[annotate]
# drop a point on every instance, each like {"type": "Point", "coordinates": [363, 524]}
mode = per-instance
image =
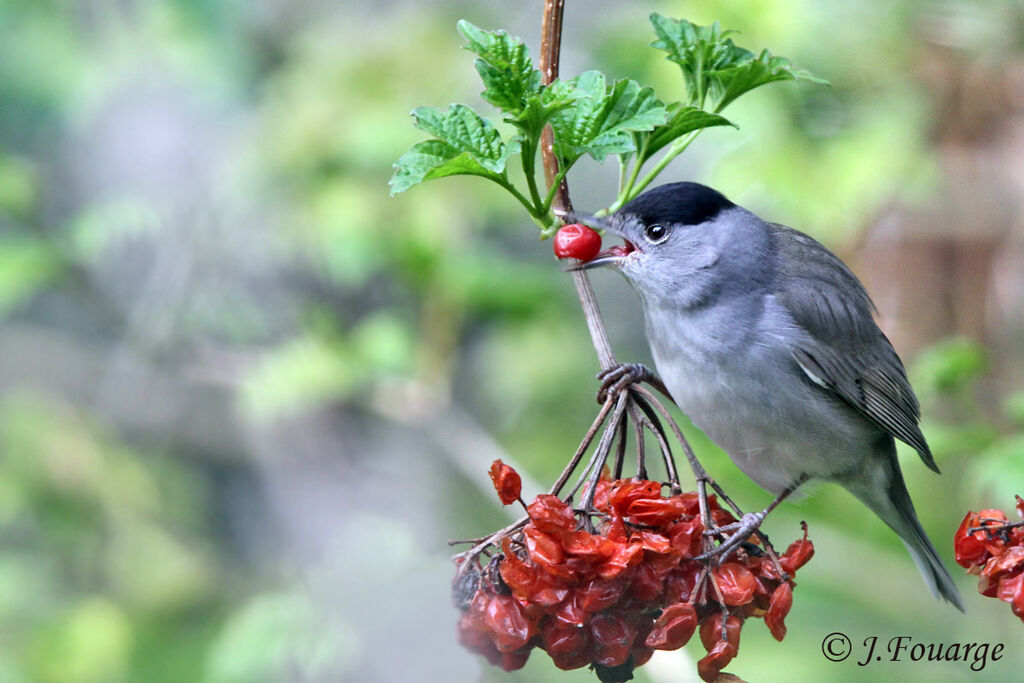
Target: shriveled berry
{"type": "Point", "coordinates": [576, 241]}
{"type": "Point", "coordinates": [736, 583]}
{"type": "Point", "coordinates": [608, 592]}
{"type": "Point", "coordinates": [506, 620]}
{"type": "Point", "coordinates": [797, 554]}
{"type": "Point", "coordinates": [506, 481]}
{"type": "Point", "coordinates": [560, 638]}
{"type": "Point", "coordinates": [711, 631]}
{"type": "Point", "coordinates": [782, 600]}
{"type": "Point", "coordinates": [717, 659]}
{"type": "Point", "coordinates": [674, 627]}
{"type": "Point", "coordinates": [551, 513]}
{"type": "Point", "coordinates": [612, 636]}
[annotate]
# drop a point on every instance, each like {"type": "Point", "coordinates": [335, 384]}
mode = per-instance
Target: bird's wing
{"type": "Point", "coordinates": [847, 354]}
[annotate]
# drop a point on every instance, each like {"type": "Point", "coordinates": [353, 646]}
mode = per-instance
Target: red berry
{"type": "Point", "coordinates": [551, 514]}
{"type": "Point", "coordinates": [609, 594]}
{"type": "Point", "coordinates": [782, 600]}
{"type": "Point", "coordinates": [797, 554]}
{"type": "Point", "coordinates": [736, 583]}
{"type": "Point", "coordinates": [674, 627]}
{"type": "Point", "coordinates": [711, 630]}
{"type": "Point", "coordinates": [506, 482]}
{"type": "Point", "coordinates": [576, 241]}
{"type": "Point", "coordinates": [717, 659]}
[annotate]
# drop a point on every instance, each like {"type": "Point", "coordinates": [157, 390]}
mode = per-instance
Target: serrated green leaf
{"type": "Point", "coordinates": [504, 67]}
{"type": "Point", "coordinates": [715, 69]}
{"type": "Point", "coordinates": [601, 121]}
{"type": "Point", "coordinates": [466, 144]}
{"type": "Point", "coordinates": [539, 108]}
{"type": "Point", "coordinates": [466, 131]}
{"type": "Point", "coordinates": [433, 159]}
{"type": "Point", "coordinates": [727, 84]}
{"type": "Point", "coordinates": [697, 50]}
{"type": "Point", "coordinates": [684, 119]}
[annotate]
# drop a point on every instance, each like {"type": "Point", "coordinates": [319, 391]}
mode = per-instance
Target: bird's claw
{"type": "Point", "coordinates": [740, 532]}
{"type": "Point", "coordinates": [617, 378]}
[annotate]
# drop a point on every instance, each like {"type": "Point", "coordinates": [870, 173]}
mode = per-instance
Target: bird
{"type": "Point", "coordinates": [767, 341]}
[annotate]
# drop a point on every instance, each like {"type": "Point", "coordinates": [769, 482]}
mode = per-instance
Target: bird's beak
{"type": "Point", "coordinates": [609, 257]}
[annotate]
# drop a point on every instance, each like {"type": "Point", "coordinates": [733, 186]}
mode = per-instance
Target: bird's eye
{"type": "Point", "coordinates": [655, 233]}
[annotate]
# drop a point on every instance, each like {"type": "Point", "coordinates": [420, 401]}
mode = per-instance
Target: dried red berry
{"type": "Point", "coordinates": [1010, 588]}
{"type": "Point", "coordinates": [717, 659]}
{"type": "Point", "coordinates": [552, 514]}
{"type": "Point", "coordinates": [797, 554]}
{"type": "Point", "coordinates": [782, 600]}
{"type": "Point", "coordinates": [505, 618]}
{"type": "Point", "coordinates": [544, 548]}
{"type": "Point", "coordinates": [968, 549]}
{"type": "Point", "coordinates": [591, 548]}
{"type": "Point", "coordinates": [598, 594]}
{"type": "Point", "coordinates": [519, 576]}
{"type": "Point", "coordinates": [560, 638]}
{"type": "Point", "coordinates": [647, 586]}
{"type": "Point", "coordinates": [571, 610]}
{"type": "Point", "coordinates": [656, 512]}
{"type": "Point", "coordinates": [674, 627]}
{"type": "Point", "coordinates": [686, 536]}
{"type": "Point", "coordinates": [711, 630]}
{"type": "Point", "coordinates": [506, 482]}
{"type": "Point", "coordinates": [612, 636]}
{"type": "Point", "coordinates": [627, 492]}
{"type": "Point", "coordinates": [1009, 563]}
{"type": "Point", "coordinates": [608, 597]}
{"type": "Point", "coordinates": [736, 583]}
{"type": "Point", "coordinates": [576, 241]}
{"type": "Point", "coordinates": [625, 556]}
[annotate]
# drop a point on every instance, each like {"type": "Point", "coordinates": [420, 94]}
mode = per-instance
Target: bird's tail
{"type": "Point", "coordinates": [892, 503]}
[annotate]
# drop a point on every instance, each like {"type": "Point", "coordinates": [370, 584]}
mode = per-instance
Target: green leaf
{"type": "Point", "coordinates": [697, 50]}
{"type": "Point", "coordinates": [716, 70]}
{"type": "Point", "coordinates": [433, 159]}
{"type": "Point", "coordinates": [727, 84]}
{"type": "Point", "coordinates": [684, 119]}
{"type": "Point", "coordinates": [504, 66]}
{"type": "Point", "coordinates": [466, 131]}
{"type": "Point", "coordinates": [601, 121]}
{"type": "Point", "coordinates": [466, 145]}
{"type": "Point", "coordinates": [540, 108]}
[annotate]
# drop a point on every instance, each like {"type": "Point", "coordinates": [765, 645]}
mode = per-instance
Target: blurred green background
{"type": "Point", "coordinates": [246, 397]}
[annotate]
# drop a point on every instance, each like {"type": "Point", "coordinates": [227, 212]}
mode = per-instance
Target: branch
{"type": "Point", "coordinates": [550, 49]}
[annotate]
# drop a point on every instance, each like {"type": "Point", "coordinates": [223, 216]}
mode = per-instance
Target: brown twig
{"type": "Point", "coordinates": [550, 49]}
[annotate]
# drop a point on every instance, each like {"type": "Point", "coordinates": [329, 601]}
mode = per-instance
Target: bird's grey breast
{"type": "Point", "coordinates": [730, 368]}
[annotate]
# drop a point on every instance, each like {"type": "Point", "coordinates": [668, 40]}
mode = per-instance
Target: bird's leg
{"type": "Point", "coordinates": [616, 378]}
{"type": "Point", "coordinates": [749, 523]}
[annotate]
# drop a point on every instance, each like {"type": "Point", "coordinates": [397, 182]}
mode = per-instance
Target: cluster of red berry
{"type": "Point", "coordinates": [608, 593]}
{"type": "Point", "coordinates": [989, 545]}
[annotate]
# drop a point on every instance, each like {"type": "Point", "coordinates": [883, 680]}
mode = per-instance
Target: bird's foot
{"type": "Point", "coordinates": [617, 378]}
{"type": "Point", "coordinates": [739, 533]}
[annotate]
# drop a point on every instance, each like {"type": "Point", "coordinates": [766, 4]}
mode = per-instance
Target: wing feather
{"type": "Point", "coordinates": [847, 354]}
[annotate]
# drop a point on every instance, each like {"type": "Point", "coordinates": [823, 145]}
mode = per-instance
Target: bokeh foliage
{"type": "Point", "coordinates": [203, 185]}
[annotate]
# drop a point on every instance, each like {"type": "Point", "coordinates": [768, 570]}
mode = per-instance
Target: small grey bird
{"type": "Point", "coordinates": [766, 340]}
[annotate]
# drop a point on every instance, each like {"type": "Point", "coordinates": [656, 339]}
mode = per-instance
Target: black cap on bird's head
{"type": "Point", "coordinates": [647, 220]}
{"type": "Point", "coordinates": [682, 243]}
{"type": "Point", "coordinates": [680, 203]}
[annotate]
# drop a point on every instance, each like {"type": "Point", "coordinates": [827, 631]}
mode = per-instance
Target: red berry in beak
{"type": "Point", "coordinates": [576, 241]}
